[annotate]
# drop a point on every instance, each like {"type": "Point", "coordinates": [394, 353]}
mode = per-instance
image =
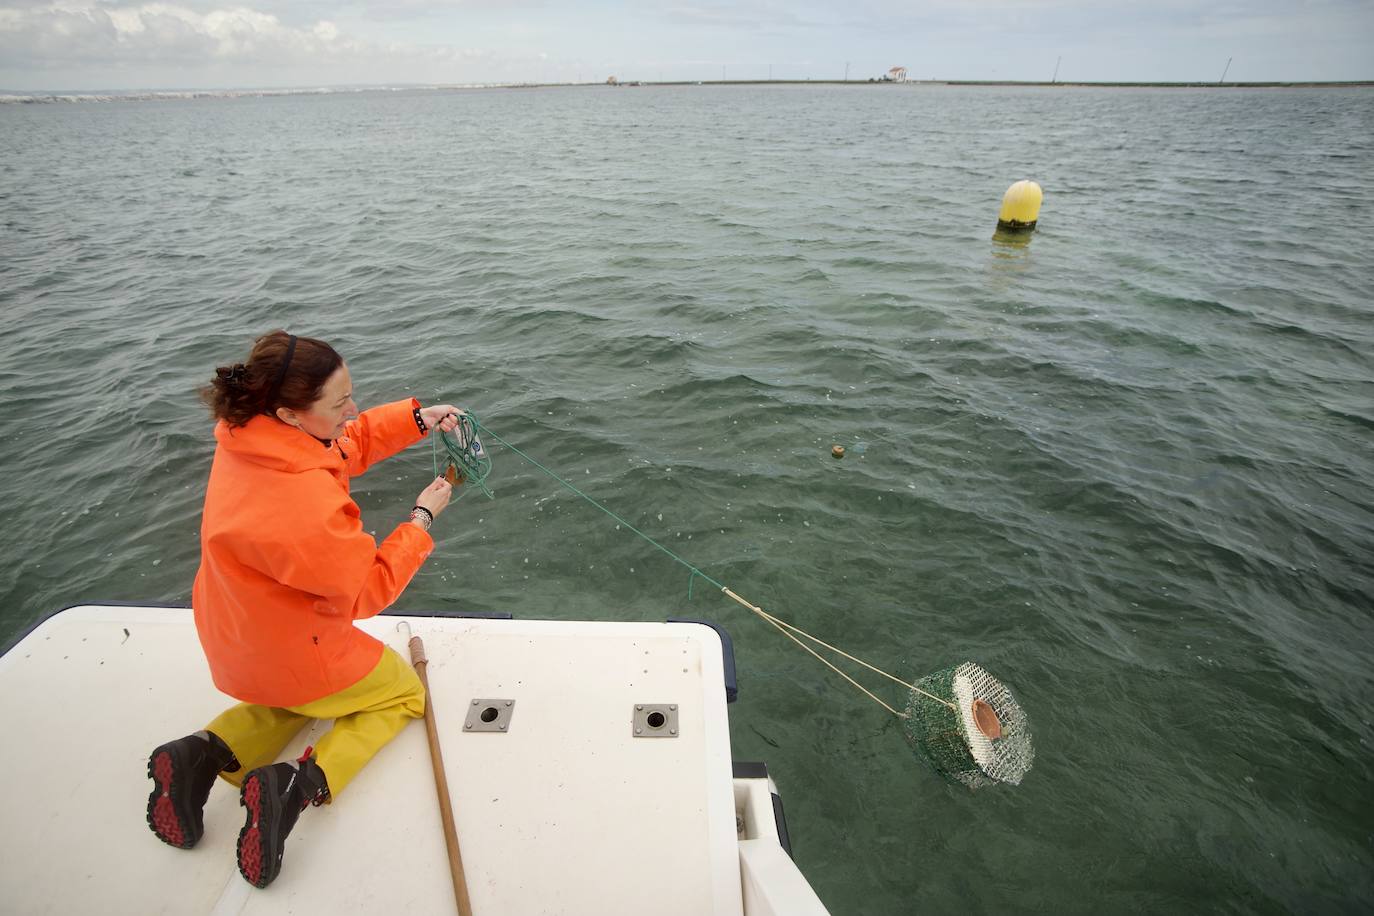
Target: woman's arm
{"type": "Point", "coordinates": [378, 433]}
{"type": "Point", "coordinates": [381, 432]}
{"type": "Point", "coordinates": [321, 549]}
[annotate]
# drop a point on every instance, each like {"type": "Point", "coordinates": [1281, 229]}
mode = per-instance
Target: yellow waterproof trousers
{"type": "Point", "coordinates": [366, 716]}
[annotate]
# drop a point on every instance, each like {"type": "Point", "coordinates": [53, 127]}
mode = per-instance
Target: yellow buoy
{"type": "Point", "coordinates": [1020, 207]}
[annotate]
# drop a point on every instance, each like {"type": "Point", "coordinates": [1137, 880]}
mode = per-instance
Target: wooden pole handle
{"type": "Point", "coordinates": [436, 757]}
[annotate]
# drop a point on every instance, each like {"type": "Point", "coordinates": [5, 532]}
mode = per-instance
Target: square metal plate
{"type": "Point", "coordinates": [655, 720]}
{"type": "Point", "coordinates": [489, 715]}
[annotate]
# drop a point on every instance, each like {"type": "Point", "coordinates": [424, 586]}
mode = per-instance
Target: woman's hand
{"type": "Point", "coordinates": [435, 497]}
{"type": "Point", "coordinates": [441, 416]}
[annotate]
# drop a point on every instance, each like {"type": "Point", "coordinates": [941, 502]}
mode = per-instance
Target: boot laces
{"type": "Point", "coordinates": [322, 792]}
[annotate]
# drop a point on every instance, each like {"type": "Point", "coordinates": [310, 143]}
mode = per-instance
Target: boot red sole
{"type": "Point", "coordinates": [167, 817]}
{"type": "Point", "coordinates": [259, 849]}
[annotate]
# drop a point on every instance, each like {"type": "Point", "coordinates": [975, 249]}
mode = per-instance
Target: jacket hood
{"type": "Point", "coordinates": [269, 442]}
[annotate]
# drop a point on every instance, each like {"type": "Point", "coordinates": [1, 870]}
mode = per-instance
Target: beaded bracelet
{"type": "Point", "coordinates": [423, 516]}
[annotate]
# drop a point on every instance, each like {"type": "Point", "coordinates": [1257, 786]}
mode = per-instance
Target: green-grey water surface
{"type": "Point", "coordinates": [1125, 466]}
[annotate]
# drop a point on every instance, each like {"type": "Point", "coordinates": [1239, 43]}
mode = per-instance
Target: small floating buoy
{"type": "Point", "coordinates": [1020, 207]}
{"type": "Point", "coordinates": [837, 451]}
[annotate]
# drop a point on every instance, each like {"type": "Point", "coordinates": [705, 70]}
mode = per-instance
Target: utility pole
{"type": "Point", "coordinates": [846, 71]}
{"type": "Point", "coordinates": [1223, 72]}
{"type": "Point", "coordinates": [1056, 69]}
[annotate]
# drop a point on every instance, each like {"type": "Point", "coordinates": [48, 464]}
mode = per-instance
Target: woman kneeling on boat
{"type": "Point", "coordinates": [285, 569]}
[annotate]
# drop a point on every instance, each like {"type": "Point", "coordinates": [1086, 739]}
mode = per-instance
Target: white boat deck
{"type": "Point", "coordinates": [566, 812]}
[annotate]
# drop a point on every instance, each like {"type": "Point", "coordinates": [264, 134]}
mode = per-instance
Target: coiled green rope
{"type": "Point", "coordinates": [466, 456]}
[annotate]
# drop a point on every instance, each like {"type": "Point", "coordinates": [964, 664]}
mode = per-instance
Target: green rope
{"type": "Point", "coordinates": [465, 453]}
{"type": "Point", "coordinates": [488, 431]}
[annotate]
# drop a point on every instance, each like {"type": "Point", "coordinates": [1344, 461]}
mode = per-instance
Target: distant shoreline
{"type": "Point", "coordinates": [139, 95]}
{"type": "Point", "coordinates": [1345, 84]}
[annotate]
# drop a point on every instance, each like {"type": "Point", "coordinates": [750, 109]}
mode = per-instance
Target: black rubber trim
{"type": "Point", "coordinates": [727, 651]}
{"type": "Point", "coordinates": [749, 769]}
{"type": "Point", "coordinates": [480, 615]}
{"type": "Point", "coordinates": [475, 615]}
{"type": "Point", "coordinates": [781, 820]}
{"type": "Point", "coordinates": [755, 769]}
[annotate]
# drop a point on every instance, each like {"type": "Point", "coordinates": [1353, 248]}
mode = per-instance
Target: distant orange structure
{"type": "Point", "coordinates": [612, 81]}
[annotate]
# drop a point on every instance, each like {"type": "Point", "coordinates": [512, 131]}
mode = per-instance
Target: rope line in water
{"type": "Point", "coordinates": [695, 572]}
{"type": "Point", "coordinates": [779, 624]}
{"type": "Point", "coordinates": [782, 626]}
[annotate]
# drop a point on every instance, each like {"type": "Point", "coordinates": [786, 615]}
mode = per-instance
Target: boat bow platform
{"type": "Point", "coordinates": [609, 790]}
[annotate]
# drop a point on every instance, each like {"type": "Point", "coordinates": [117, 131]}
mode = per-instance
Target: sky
{"type": "Point", "coordinates": [201, 44]}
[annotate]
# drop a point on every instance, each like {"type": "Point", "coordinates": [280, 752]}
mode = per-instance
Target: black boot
{"type": "Point", "coordinates": [275, 796]}
{"type": "Point", "coordinates": [183, 772]}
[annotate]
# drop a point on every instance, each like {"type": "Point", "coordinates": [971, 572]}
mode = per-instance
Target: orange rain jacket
{"type": "Point", "coordinates": [286, 566]}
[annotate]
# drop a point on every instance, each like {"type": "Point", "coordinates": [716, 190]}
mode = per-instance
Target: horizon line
{"type": "Point", "coordinates": [149, 93]}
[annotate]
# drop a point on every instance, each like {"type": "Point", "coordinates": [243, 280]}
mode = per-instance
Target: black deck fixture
{"type": "Point", "coordinates": [757, 769]}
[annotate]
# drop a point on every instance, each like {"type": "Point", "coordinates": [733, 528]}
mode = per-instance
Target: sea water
{"type": "Point", "coordinates": [1124, 464]}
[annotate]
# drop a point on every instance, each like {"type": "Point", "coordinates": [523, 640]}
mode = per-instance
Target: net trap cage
{"type": "Point", "coordinates": [970, 728]}
{"type": "Point", "coordinates": [962, 720]}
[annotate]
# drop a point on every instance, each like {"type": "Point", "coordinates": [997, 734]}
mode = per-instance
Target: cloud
{"type": "Point", "coordinates": [49, 44]}
{"type": "Point", "coordinates": [62, 34]}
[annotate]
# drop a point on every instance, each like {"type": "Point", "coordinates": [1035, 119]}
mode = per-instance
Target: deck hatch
{"type": "Point", "coordinates": [489, 715]}
{"type": "Point", "coordinates": [655, 720]}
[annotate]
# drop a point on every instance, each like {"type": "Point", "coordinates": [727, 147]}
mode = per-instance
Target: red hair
{"type": "Point", "coordinates": [281, 371]}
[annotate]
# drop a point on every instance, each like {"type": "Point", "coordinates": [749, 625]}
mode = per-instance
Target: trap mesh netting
{"type": "Point", "coordinates": [970, 727]}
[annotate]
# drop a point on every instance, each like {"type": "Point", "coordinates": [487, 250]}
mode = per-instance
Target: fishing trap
{"type": "Point", "coordinates": [969, 727]}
